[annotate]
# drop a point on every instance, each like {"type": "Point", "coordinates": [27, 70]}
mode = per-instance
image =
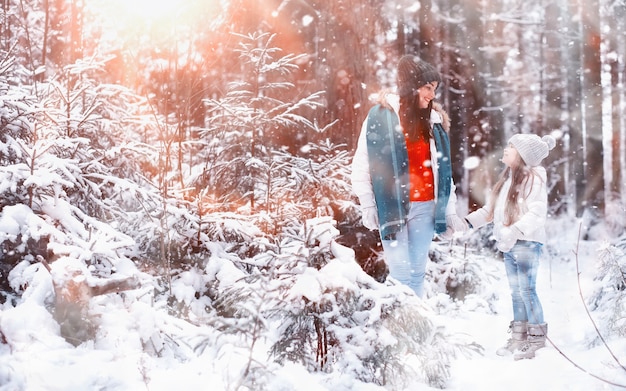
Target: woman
{"type": "Point", "coordinates": [402, 175]}
{"type": "Point", "coordinates": [518, 209]}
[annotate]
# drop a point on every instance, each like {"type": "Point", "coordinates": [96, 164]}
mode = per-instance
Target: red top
{"type": "Point", "coordinates": [420, 171]}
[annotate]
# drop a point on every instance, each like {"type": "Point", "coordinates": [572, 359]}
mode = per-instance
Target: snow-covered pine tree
{"type": "Point", "coordinates": [16, 113]}
{"type": "Point", "coordinates": [608, 298]}
{"type": "Point", "coordinates": [260, 110]}
{"type": "Point", "coordinates": [72, 184]}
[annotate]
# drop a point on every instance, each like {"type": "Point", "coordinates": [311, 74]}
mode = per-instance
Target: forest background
{"type": "Point", "coordinates": [149, 131]}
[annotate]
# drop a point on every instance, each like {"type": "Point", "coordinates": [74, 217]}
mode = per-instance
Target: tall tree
{"type": "Point", "coordinates": [554, 94]}
{"type": "Point", "coordinates": [591, 183]}
{"type": "Point", "coordinates": [472, 131]}
{"type": "Point", "coordinates": [619, 79]}
{"type": "Point", "coordinates": [612, 56]}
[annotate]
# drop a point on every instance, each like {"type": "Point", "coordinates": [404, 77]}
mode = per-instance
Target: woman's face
{"type": "Point", "coordinates": [510, 156]}
{"type": "Point", "coordinates": [426, 93]}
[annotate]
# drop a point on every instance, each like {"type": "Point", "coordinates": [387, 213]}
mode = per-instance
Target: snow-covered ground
{"type": "Point", "coordinates": [37, 358]}
{"type": "Point", "coordinates": [570, 333]}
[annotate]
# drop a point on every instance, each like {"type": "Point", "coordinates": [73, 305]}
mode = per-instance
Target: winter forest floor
{"type": "Point", "coordinates": [569, 328]}
{"type": "Point", "coordinates": [38, 359]}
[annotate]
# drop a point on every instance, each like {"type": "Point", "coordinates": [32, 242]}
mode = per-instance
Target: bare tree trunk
{"type": "Point", "coordinates": [468, 107]}
{"type": "Point", "coordinates": [593, 171]}
{"type": "Point", "coordinates": [46, 31]}
{"type": "Point", "coordinates": [620, 104]}
{"type": "Point", "coordinates": [612, 57]}
{"type": "Point", "coordinates": [5, 30]}
{"type": "Point", "coordinates": [572, 140]}
{"type": "Point", "coordinates": [555, 100]}
{"type": "Point", "coordinates": [76, 30]}
{"type": "Point", "coordinates": [427, 32]}
{"type": "Point", "coordinates": [611, 154]}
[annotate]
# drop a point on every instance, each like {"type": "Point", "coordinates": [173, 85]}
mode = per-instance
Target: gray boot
{"type": "Point", "coordinates": [537, 334]}
{"type": "Point", "coordinates": [518, 337]}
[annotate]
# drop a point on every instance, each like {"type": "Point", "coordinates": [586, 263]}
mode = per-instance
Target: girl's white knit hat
{"type": "Point", "coordinates": [532, 148]}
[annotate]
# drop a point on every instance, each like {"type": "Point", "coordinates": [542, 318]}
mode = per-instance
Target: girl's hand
{"type": "Point", "coordinates": [508, 237]}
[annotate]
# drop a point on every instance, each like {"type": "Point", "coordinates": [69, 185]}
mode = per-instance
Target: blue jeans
{"type": "Point", "coordinates": [521, 264]}
{"type": "Point", "coordinates": [407, 254]}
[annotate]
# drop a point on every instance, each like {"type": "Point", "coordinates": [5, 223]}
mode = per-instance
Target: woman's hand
{"type": "Point", "coordinates": [370, 217]}
{"type": "Point", "coordinates": [454, 224]}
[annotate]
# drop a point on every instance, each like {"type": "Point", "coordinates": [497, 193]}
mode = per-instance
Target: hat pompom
{"type": "Point", "coordinates": [550, 141]}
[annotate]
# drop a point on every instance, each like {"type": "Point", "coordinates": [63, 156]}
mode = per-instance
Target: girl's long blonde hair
{"type": "Point", "coordinates": [519, 173]}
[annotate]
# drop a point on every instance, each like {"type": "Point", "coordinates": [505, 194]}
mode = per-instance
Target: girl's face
{"type": "Point", "coordinates": [426, 93]}
{"type": "Point", "coordinates": [510, 156]}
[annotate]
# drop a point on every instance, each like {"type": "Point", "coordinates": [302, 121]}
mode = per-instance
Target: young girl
{"type": "Point", "coordinates": [401, 172]}
{"type": "Point", "coordinates": [518, 210]}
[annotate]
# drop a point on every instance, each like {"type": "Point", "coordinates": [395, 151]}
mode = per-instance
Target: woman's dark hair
{"type": "Point", "coordinates": [414, 121]}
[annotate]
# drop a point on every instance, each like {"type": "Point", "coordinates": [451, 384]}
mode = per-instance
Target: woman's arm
{"type": "Point", "coordinates": [360, 177]}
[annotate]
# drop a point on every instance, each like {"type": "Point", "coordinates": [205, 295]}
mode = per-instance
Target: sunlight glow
{"type": "Point", "coordinates": [154, 18]}
{"type": "Point", "coordinates": [150, 9]}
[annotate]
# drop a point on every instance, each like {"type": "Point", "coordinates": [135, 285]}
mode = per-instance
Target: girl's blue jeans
{"type": "Point", "coordinates": [407, 254]}
{"type": "Point", "coordinates": [521, 264]}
